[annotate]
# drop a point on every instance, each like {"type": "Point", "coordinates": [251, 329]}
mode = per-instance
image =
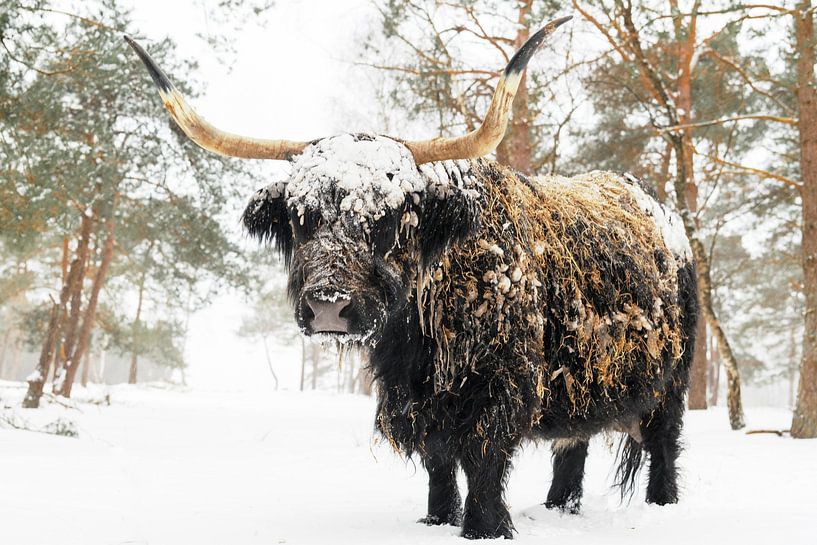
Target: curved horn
{"type": "Point", "coordinates": [487, 137]}
{"type": "Point", "coordinates": [203, 133]}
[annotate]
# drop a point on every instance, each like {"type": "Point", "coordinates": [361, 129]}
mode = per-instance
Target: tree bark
{"type": "Point", "coordinates": [70, 322]}
{"type": "Point", "coordinates": [315, 364]}
{"type": "Point", "coordinates": [804, 420]}
{"type": "Point", "coordinates": [86, 364]}
{"type": "Point", "coordinates": [72, 365]}
{"type": "Point", "coordinates": [730, 363]}
{"type": "Point", "coordinates": [365, 377]}
{"type": "Point", "coordinates": [4, 349]}
{"type": "Point", "coordinates": [685, 40]}
{"type": "Point", "coordinates": [516, 148]}
{"type": "Point", "coordinates": [100, 367]}
{"type": "Point", "coordinates": [137, 322]}
{"type": "Point", "coordinates": [269, 362]}
{"type": "Point", "coordinates": [664, 176]}
{"type": "Point", "coordinates": [36, 381]}
{"type": "Point", "coordinates": [303, 363]}
{"type": "Point", "coordinates": [715, 372]}
{"type": "Point", "coordinates": [699, 372]}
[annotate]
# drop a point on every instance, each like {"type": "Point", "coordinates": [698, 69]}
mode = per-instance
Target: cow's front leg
{"type": "Point", "coordinates": [486, 466]}
{"type": "Point", "coordinates": [444, 504]}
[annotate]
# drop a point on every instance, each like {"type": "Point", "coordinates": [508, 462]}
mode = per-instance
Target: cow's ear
{"type": "Point", "coordinates": [266, 218]}
{"type": "Point", "coordinates": [448, 216]}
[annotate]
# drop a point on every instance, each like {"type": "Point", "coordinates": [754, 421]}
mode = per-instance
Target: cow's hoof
{"type": "Point", "coordinates": [488, 533]}
{"type": "Point", "coordinates": [663, 499]}
{"type": "Point", "coordinates": [453, 519]}
{"type": "Point", "coordinates": [568, 508]}
{"type": "Point", "coordinates": [482, 534]}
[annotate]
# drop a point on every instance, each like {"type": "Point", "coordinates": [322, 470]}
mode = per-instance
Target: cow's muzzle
{"type": "Point", "coordinates": [328, 315]}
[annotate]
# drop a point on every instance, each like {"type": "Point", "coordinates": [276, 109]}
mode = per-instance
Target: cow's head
{"type": "Point", "coordinates": [361, 218]}
{"type": "Point", "coordinates": [357, 223]}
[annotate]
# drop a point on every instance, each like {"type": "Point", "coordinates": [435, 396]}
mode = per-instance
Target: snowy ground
{"type": "Point", "coordinates": [177, 467]}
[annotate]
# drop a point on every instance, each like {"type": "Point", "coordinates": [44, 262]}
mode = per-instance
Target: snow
{"type": "Point", "coordinates": [667, 221]}
{"type": "Point", "coordinates": [170, 466]}
{"type": "Point", "coordinates": [375, 172]}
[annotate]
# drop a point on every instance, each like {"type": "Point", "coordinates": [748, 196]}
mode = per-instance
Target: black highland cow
{"type": "Point", "coordinates": [496, 308]}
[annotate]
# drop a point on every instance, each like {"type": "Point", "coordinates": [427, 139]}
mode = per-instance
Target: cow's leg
{"type": "Point", "coordinates": [444, 504]}
{"type": "Point", "coordinates": [486, 464]}
{"type": "Point", "coordinates": [568, 473]}
{"type": "Point", "coordinates": [662, 431]}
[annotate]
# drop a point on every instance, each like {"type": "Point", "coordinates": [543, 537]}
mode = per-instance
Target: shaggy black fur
{"type": "Point", "coordinates": [463, 387]}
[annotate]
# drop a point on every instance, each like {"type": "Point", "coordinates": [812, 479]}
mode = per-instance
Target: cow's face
{"type": "Point", "coordinates": [357, 223]}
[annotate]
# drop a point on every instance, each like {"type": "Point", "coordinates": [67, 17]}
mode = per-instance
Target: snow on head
{"type": "Point", "coordinates": [375, 174]}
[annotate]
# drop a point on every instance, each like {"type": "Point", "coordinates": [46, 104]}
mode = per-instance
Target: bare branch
{"type": "Point", "coordinates": [746, 78]}
{"type": "Point", "coordinates": [758, 171]}
{"type": "Point", "coordinates": [31, 66]}
{"type": "Point", "coordinates": [756, 117]}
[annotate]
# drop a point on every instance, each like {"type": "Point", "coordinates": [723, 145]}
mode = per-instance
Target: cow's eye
{"type": "Point", "coordinates": [305, 225]}
{"type": "Point", "coordinates": [383, 233]}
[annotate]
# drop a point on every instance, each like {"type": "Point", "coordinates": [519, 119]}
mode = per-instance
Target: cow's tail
{"type": "Point", "coordinates": [630, 458]}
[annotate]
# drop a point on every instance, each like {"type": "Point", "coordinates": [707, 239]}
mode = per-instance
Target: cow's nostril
{"type": "Point", "coordinates": [346, 311]}
{"type": "Point", "coordinates": [329, 316]}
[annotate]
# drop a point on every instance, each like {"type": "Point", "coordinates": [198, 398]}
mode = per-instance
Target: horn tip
{"type": "Point", "coordinates": [159, 78]}
{"type": "Point", "coordinates": [520, 60]}
{"type": "Point", "coordinates": [562, 20]}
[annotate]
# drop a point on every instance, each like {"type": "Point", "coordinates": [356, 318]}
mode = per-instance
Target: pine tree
{"type": "Point", "coordinates": [99, 194]}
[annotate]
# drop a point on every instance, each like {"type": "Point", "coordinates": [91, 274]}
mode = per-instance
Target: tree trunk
{"type": "Point", "coordinates": [516, 148]}
{"type": "Point", "coordinates": [303, 363]}
{"type": "Point", "coordinates": [685, 38]}
{"type": "Point", "coordinates": [100, 367]}
{"type": "Point", "coordinates": [804, 420]}
{"type": "Point", "coordinates": [36, 381]}
{"type": "Point", "coordinates": [315, 364]}
{"type": "Point", "coordinates": [4, 349]}
{"type": "Point", "coordinates": [349, 378]}
{"type": "Point", "coordinates": [663, 177]}
{"type": "Point", "coordinates": [707, 310]}
{"type": "Point", "coordinates": [269, 363]}
{"type": "Point", "coordinates": [715, 376]}
{"type": "Point", "coordinates": [698, 374]}
{"type": "Point", "coordinates": [365, 377]}
{"type": "Point", "coordinates": [730, 363]}
{"type": "Point", "coordinates": [64, 262]}
{"type": "Point", "coordinates": [137, 324]}
{"type": "Point", "coordinates": [72, 365]}
{"type": "Point", "coordinates": [72, 323]}
{"type": "Point", "coordinates": [86, 364]}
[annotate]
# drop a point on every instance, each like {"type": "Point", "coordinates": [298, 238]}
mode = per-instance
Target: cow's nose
{"type": "Point", "coordinates": [327, 315]}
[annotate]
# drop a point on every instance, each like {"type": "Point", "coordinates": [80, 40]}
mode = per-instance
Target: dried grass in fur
{"type": "Point", "coordinates": [573, 262]}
